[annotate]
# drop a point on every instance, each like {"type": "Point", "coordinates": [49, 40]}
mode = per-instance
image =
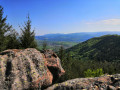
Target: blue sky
{"type": "Point", "coordinates": [64, 16]}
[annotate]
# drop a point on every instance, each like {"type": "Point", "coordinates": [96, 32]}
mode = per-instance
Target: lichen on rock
{"type": "Point", "coordinates": [105, 82]}
{"type": "Point", "coordinates": [28, 68]}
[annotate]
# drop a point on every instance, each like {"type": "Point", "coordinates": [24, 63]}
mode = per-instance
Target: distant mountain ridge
{"type": "Point", "coordinates": [74, 37]}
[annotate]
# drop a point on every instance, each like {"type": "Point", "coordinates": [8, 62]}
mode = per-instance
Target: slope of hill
{"type": "Point", "coordinates": [101, 48]}
{"type": "Point", "coordinates": [73, 37]}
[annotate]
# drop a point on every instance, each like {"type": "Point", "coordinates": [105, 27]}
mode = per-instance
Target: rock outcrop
{"type": "Point", "coordinates": [28, 68]}
{"type": "Point", "coordinates": [106, 82]}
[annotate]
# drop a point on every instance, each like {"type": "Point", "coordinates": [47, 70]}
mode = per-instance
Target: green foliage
{"type": "Point", "coordinates": [8, 38]}
{"type": "Point", "coordinates": [93, 73]}
{"type": "Point", "coordinates": [92, 58]}
{"type": "Point", "coordinates": [4, 28]}
{"type": "Point", "coordinates": [101, 48]}
{"type": "Point", "coordinates": [27, 38]}
{"type": "Point", "coordinates": [77, 68]}
{"type": "Point", "coordinates": [61, 53]}
{"type": "Point", "coordinates": [13, 41]}
{"type": "Point", "coordinates": [44, 45]}
{"type": "Point", "coordinates": [66, 62]}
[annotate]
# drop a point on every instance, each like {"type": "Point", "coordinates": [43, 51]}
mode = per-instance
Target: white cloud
{"type": "Point", "coordinates": [106, 22]}
{"type": "Point", "coordinates": [112, 21]}
{"type": "Point", "coordinates": [101, 25]}
{"type": "Point", "coordinates": [83, 26]}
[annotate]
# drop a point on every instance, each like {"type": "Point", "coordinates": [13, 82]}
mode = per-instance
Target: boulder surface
{"type": "Point", "coordinates": [105, 82]}
{"type": "Point", "coordinates": [22, 69]}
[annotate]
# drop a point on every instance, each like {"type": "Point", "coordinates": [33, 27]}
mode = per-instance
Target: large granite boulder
{"type": "Point", "coordinates": [28, 69]}
{"type": "Point", "coordinates": [105, 82]}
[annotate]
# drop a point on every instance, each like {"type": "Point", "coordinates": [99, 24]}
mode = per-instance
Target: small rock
{"type": "Point", "coordinates": [111, 87]}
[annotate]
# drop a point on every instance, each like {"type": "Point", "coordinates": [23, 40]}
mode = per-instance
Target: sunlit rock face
{"type": "Point", "coordinates": [28, 68]}
{"type": "Point", "coordinates": [105, 82]}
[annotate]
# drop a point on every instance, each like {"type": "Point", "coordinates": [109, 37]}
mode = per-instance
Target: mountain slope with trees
{"type": "Point", "coordinates": [92, 58]}
{"type": "Point", "coordinates": [101, 48]}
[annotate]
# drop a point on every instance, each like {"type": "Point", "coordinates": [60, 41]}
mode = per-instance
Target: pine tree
{"type": "Point", "coordinates": [27, 38]}
{"type": "Point", "coordinates": [4, 30]}
{"type": "Point", "coordinates": [62, 56]}
{"type": "Point", "coordinates": [44, 45]}
{"type": "Point", "coordinates": [61, 53]}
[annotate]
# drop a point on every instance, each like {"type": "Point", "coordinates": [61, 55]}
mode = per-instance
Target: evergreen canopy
{"type": "Point", "coordinates": [27, 38]}
{"type": "Point", "coordinates": [4, 30]}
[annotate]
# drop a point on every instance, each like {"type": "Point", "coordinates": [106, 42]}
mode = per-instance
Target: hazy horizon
{"type": "Point", "coordinates": [108, 32]}
{"type": "Point", "coordinates": [64, 16]}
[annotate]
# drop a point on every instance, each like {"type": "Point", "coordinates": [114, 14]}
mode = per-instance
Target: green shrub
{"type": "Point", "coordinates": [93, 73]}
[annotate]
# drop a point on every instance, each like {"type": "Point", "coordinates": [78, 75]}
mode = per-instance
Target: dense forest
{"type": "Point", "coordinates": [92, 58]}
{"type": "Point", "coordinates": [100, 48]}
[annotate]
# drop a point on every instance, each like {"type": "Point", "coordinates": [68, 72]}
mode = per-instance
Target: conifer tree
{"type": "Point", "coordinates": [62, 56]}
{"type": "Point", "coordinates": [61, 53]}
{"type": "Point", "coordinates": [44, 45]}
{"type": "Point", "coordinates": [4, 30]}
{"type": "Point", "coordinates": [27, 38]}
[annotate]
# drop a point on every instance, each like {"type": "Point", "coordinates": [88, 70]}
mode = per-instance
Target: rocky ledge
{"type": "Point", "coordinates": [28, 69]}
{"type": "Point", "coordinates": [105, 82]}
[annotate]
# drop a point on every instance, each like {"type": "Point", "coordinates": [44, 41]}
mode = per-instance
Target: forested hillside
{"type": "Point", "coordinates": [92, 58]}
{"type": "Point", "coordinates": [101, 48]}
{"type": "Point", "coordinates": [54, 41]}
